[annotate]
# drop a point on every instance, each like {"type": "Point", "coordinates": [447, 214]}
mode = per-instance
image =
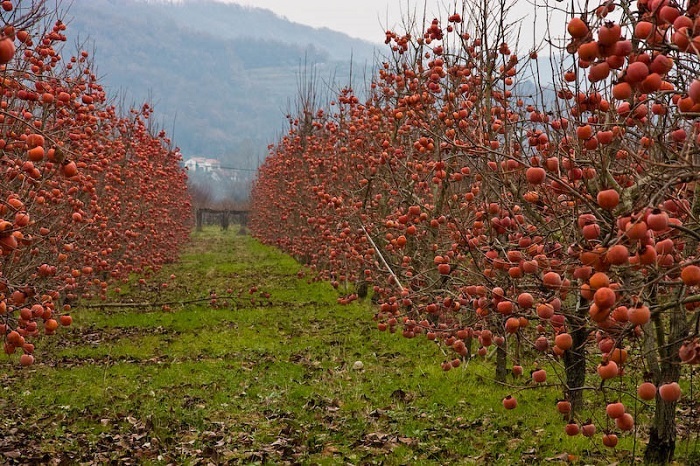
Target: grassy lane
{"type": "Point", "coordinates": [269, 376]}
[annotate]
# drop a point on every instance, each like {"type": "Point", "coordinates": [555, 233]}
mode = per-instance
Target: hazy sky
{"type": "Point", "coordinates": [357, 18]}
{"type": "Point", "coordinates": [368, 19]}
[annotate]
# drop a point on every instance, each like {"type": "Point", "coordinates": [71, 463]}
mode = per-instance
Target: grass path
{"type": "Point", "coordinates": [268, 375]}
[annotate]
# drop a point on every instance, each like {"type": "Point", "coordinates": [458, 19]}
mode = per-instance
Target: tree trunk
{"type": "Point", "coordinates": [575, 361]}
{"type": "Point", "coordinates": [200, 215]}
{"type": "Point", "coordinates": [501, 370]}
{"type": "Point", "coordinates": [575, 367]}
{"type": "Point", "coordinates": [662, 435]}
{"type": "Point", "coordinates": [224, 220]}
{"type": "Point", "coordinates": [468, 343]}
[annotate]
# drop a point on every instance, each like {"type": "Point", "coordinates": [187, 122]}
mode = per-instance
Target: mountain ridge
{"type": "Point", "coordinates": [219, 89]}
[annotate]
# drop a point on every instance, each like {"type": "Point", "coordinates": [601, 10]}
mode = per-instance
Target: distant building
{"type": "Point", "coordinates": [202, 164]}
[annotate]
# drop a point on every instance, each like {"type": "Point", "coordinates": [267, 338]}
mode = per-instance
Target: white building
{"type": "Point", "coordinates": [203, 164]}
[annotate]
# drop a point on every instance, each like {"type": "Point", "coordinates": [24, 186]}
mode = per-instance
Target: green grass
{"type": "Point", "coordinates": [263, 380]}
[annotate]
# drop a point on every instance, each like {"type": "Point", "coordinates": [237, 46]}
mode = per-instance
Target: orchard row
{"type": "Point", "coordinates": [87, 195]}
{"type": "Point", "coordinates": [555, 224]}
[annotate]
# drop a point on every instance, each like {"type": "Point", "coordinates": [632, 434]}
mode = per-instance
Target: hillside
{"type": "Point", "coordinates": [220, 75]}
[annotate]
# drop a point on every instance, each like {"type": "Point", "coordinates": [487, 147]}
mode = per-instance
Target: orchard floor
{"type": "Point", "coordinates": [269, 374]}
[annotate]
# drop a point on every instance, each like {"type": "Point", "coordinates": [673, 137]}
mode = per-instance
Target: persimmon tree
{"type": "Point", "coordinates": [87, 196]}
{"type": "Point", "coordinates": [560, 228]}
{"type": "Point", "coordinates": [646, 200]}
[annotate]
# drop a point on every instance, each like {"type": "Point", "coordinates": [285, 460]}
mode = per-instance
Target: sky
{"type": "Point", "coordinates": [366, 19]}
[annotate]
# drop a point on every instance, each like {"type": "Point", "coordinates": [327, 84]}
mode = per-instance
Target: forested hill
{"type": "Point", "coordinates": [220, 75]}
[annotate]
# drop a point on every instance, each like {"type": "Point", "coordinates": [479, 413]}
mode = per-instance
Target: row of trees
{"type": "Point", "coordinates": [558, 223]}
{"type": "Point", "coordinates": [87, 195]}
